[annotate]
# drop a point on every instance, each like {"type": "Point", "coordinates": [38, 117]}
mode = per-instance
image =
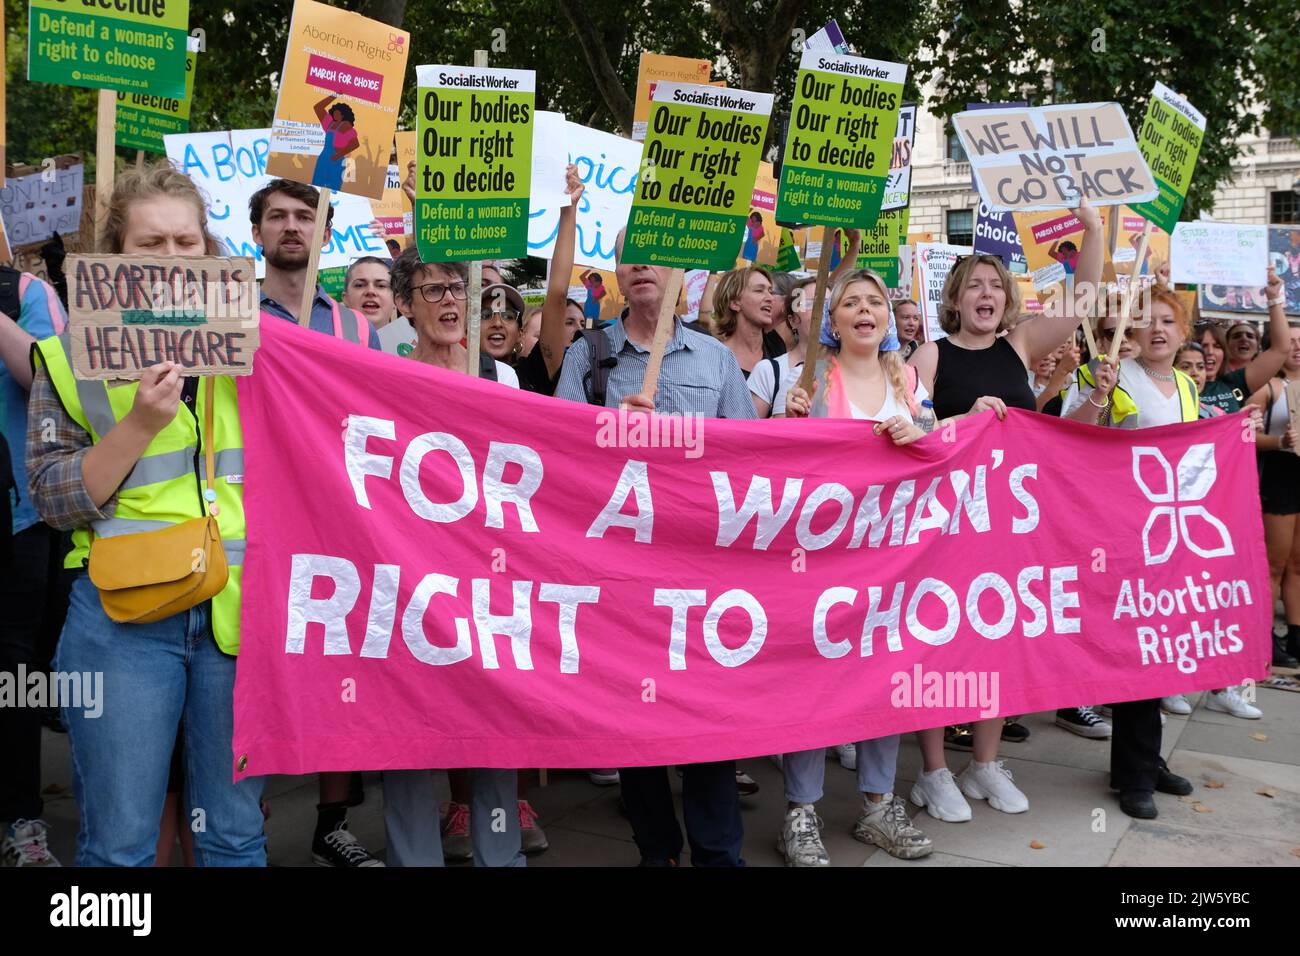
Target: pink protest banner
{"type": "Point", "coordinates": [433, 580]}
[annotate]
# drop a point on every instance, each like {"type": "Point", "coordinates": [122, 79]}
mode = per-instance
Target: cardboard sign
{"type": "Point", "coordinates": [608, 166]}
{"type": "Point", "coordinates": [143, 121]}
{"type": "Point", "coordinates": [126, 313]}
{"type": "Point", "coordinates": [1222, 253]}
{"type": "Point", "coordinates": [37, 204]}
{"type": "Point", "coordinates": [881, 244]}
{"type": "Point", "coordinates": [228, 167]}
{"type": "Point", "coordinates": [134, 47]}
{"type": "Point", "coordinates": [474, 138]}
{"type": "Point", "coordinates": [340, 91]}
{"type": "Point", "coordinates": [934, 260]}
{"type": "Point", "coordinates": [1033, 158]}
{"type": "Point", "coordinates": [700, 160]}
{"type": "Point", "coordinates": [1170, 140]}
{"type": "Point", "coordinates": [6, 252]}
{"type": "Point", "coordinates": [839, 145]}
{"type": "Point", "coordinates": [656, 68]}
{"type": "Point", "coordinates": [996, 235]}
{"type": "Point", "coordinates": [898, 186]}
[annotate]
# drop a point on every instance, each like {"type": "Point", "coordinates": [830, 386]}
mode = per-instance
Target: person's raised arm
{"type": "Point", "coordinates": [553, 339]}
{"type": "Point", "coordinates": [1266, 364]}
{"type": "Point", "coordinates": [1038, 336]}
{"type": "Point", "coordinates": [321, 112]}
{"type": "Point", "coordinates": [1096, 401]}
{"type": "Point", "coordinates": [850, 258]}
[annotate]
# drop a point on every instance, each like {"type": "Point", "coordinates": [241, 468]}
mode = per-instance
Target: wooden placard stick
{"type": "Point", "coordinates": [1089, 337]}
{"type": "Point", "coordinates": [474, 307]}
{"type": "Point", "coordinates": [139, 159]}
{"type": "Point", "coordinates": [1127, 301]}
{"type": "Point", "coordinates": [313, 258]}
{"type": "Point", "coordinates": [1293, 406]}
{"type": "Point", "coordinates": [819, 301]}
{"type": "Point", "coordinates": [663, 332]}
{"type": "Point", "coordinates": [105, 157]}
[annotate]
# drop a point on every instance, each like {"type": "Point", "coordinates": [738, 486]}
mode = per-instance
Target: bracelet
{"type": "Point", "coordinates": [1095, 405]}
{"type": "Point", "coordinates": [1280, 300]}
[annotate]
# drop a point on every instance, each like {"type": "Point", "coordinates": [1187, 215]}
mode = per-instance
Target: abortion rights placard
{"type": "Point", "coordinates": [934, 260]}
{"type": "Point", "coordinates": [656, 68]}
{"type": "Point", "coordinates": [840, 143]}
{"type": "Point", "coordinates": [1170, 140]}
{"type": "Point", "coordinates": [340, 90]}
{"type": "Point", "coordinates": [134, 47]}
{"type": "Point", "coordinates": [898, 186]}
{"type": "Point", "coordinates": [700, 162]}
{"type": "Point", "coordinates": [995, 235]}
{"type": "Point", "coordinates": [126, 313]}
{"type": "Point", "coordinates": [657, 618]}
{"type": "Point", "coordinates": [143, 120]}
{"type": "Point", "coordinates": [1044, 157]}
{"type": "Point", "coordinates": [474, 141]}
{"type": "Point", "coordinates": [1219, 253]}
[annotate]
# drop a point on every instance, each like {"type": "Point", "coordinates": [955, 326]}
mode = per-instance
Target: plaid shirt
{"type": "Point", "coordinates": [56, 448]}
{"type": "Point", "coordinates": [699, 375]}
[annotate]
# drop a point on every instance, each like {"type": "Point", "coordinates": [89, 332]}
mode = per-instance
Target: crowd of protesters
{"type": "Point", "coordinates": [89, 460]}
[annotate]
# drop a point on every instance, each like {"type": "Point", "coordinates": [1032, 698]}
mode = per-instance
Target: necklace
{"type": "Point", "coordinates": [1158, 376]}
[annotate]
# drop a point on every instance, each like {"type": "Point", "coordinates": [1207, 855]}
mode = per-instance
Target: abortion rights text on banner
{"type": "Point", "coordinates": [1031, 158]}
{"type": "Point", "coordinates": [898, 185]}
{"type": "Point", "coordinates": [656, 68]}
{"type": "Point", "coordinates": [143, 120]}
{"type": "Point", "coordinates": [126, 313]}
{"type": "Point", "coordinates": [228, 167]}
{"type": "Point", "coordinates": [608, 166]}
{"type": "Point", "coordinates": [839, 145]}
{"type": "Point", "coordinates": [700, 162]}
{"type": "Point", "coordinates": [937, 561]}
{"type": "Point", "coordinates": [133, 48]}
{"type": "Point", "coordinates": [340, 91]}
{"type": "Point", "coordinates": [934, 260]}
{"type": "Point", "coordinates": [1170, 140]}
{"type": "Point", "coordinates": [474, 140]}
{"type": "Point", "coordinates": [1219, 253]}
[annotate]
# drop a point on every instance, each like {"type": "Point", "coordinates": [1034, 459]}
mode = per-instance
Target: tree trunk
{"type": "Point", "coordinates": [594, 50]}
{"type": "Point", "coordinates": [385, 11]}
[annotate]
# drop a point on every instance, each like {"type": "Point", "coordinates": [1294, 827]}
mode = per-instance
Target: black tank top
{"type": "Point", "coordinates": [964, 375]}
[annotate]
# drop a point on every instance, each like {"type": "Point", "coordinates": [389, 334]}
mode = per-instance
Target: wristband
{"type": "Point", "coordinates": [1095, 405]}
{"type": "Point", "coordinates": [1280, 300]}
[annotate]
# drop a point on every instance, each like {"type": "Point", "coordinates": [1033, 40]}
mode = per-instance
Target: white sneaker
{"type": "Point", "coordinates": [993, 782]}
{"type": "Point", "coordinates": [1176, 704]}
{"type": "Point", "coordinates": [886, 825]}
{"type": "Point", "coordinates": [847, 755]}
{"type": "Point", "coordinates": [800, 841]}
{"type": "Point", "coordinates": [937, 792]}
{"type": "Point", "coordinates": [1230, 701]}
{"type": "Point", "coordinates": [25, 845]}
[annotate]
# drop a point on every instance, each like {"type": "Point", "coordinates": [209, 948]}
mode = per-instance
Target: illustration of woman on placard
{"type": "Point", "coordinates": [340, 139]}
{"type": "Point", "coordinates": [595, 286]}
{"type": "Point", "coordinates": [753, 235]}
{"type": "Point", "coordinates": [1066, 253]}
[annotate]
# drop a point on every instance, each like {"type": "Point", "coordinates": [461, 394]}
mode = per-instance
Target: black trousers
{"type": "Point", "coordinates": [33, 604]}
{"type": "Point", "coordinates": [710, 803]}
{"type": "Point", "coordinates": [1135, 745]}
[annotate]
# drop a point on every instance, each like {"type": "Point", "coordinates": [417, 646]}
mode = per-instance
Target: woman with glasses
{"type": "Point", "coordinates": [975, 369]}
{"type": "Point", "coordinates": [1234, 365]}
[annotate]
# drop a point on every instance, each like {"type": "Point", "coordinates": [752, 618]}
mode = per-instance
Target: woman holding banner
{"type": "Point", "coordinates": [1234, 367]}
{"type": "Point", "coordinates": [977, 369]}
{"type": "Point", "coordinates": [862, 377]}
{"type": "Point", "coordinates": [114, 460]}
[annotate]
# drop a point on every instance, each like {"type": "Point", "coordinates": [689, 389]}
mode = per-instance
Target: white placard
{"type": "Point", "coordinates": [1219, 253]}
{"type": "Point", "coordinates": [934, 260]}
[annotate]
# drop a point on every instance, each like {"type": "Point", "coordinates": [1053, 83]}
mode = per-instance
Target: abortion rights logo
{"type": "Point", "coordinates": [1169, 519]}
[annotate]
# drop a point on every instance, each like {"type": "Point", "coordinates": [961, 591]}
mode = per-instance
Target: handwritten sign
{"type": "Point", "coordinates": [474, 138]}
{"type": "Point", "coordinates": [701, 159]}
{"type": "Point", "coordinates": [126, 313]}
{"type": "Point", "coordinates": [840, 142]}
{"type": "Point", "coordinates": [1033, 158]}
{"type": "Point", "coordinates": [38, 204]}
{"type": "Point", "coordinates": [1170, 140]}
{"type": "Point", "coordinates": [1219, 253]}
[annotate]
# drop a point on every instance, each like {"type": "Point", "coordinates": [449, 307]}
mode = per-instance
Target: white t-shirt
{"type": "Point", "coordinates": [506, 375]}
{"type": "Point", "coordinates": [762, 381]}
{"type": "Point", "coordinates": [1153, 407]}
{"type": "Point", "coordinates": [888, 409]}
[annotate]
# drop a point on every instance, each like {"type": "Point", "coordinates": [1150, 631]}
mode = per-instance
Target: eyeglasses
{"type": "Point", "coordinates": [1110, 333]}
{"type": "Point", "coordinates": [507, 315]}
{"type": "Point", "coordinates": [434, 291]}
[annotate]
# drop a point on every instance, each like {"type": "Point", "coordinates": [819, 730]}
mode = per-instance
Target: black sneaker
{"type": "Point", "coordinates": [1280, 656]}
{"type": "Point", "coordinates": [1014, 733]}
{"type": "Point", "coordinates": [958, 737]}
{"type": "Point", "coordinates": [1138, 803]}
{"type": "Point", "coordinates": [340, 848]}
{"type": "Point", "coordinates": [1084, 722]}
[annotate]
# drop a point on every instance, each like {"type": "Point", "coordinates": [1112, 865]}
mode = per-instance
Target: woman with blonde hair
{"type": "Point", "coordinates": [860, 375]}
{"type": "Point", "coordinates": [744, 311]}
{"type": "Point", "coordinates": [978, 368]}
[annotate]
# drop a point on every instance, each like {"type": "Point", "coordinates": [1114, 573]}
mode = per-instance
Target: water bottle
{"type": "Point", "coordinates": [925, 419]}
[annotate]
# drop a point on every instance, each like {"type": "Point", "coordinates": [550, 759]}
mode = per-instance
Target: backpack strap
{"type": "Point", "coordinates": [601, 363]}
{"type": "Point", "coordinates": [776, 385]}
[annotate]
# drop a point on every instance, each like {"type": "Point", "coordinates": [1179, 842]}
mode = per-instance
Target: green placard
{"type": "Point", "coordinates": [1170, 140]}
{"type": "Point", "coordinates": [787, 256]}
{"type": "Point", "coordinates": [702, 150]}
{"type": "Point", "coordinates": [331, 280]}
{"type": "Point", "coordinates": [840, 140]}
{"type": "Point", "coordinates": [143, 120]}
{"type": "Point", "coordinates": [881, 242]}
{"type": "Point", "coordinates": [474, 148]}
{"type": "Point", "coordinates": [135, 46]}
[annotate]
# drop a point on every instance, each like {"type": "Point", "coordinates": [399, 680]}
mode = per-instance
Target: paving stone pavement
{"type": "Point", "coordinates": [1245, 810]}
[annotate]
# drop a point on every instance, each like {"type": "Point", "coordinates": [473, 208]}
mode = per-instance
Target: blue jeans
{"type": "Point", "coordinates": [153, 676]}
{"type": "Point", "coordinates": [415, 833]}
{"type": "Point", "coordinates": [805, 771]}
